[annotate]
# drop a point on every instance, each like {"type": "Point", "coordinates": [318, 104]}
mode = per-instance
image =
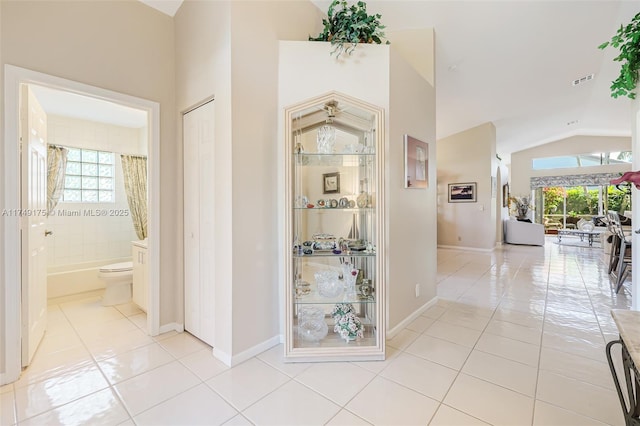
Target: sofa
{"type": "Point", "coordinates": [517, 232]}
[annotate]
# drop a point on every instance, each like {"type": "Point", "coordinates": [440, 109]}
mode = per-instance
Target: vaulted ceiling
{"type": "Point", "coordinates": [512, 62]}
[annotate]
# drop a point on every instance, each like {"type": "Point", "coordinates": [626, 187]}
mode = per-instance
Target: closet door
{"type": "Point", "coordinates": [199, 208]}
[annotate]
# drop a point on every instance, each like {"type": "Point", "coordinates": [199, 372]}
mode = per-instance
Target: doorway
{"type": "Point", "coordinates": [15, 78]}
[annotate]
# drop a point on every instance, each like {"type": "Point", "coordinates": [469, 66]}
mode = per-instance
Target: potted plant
{"type": "Point", "coordinates": [346, 26]}
{"type": "Point", "coordinates": [627, 40]}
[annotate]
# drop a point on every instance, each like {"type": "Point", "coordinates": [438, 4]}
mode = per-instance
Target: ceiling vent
{"type": "Point", "coordinates": [583, 79]}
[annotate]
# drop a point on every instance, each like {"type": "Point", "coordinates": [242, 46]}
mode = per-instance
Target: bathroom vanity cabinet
{"type": "Point", "coordinates": [334, 230]}
{"type": "Point", "coordinates": [140, 284]}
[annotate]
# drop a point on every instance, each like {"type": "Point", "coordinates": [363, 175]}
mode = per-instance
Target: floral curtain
{"type": "Point", "coordinates": [134, 170]}
{"type": "Point", "coordinates": [56, 166]}
{"type": "Point", "coordinates": [594, 179]}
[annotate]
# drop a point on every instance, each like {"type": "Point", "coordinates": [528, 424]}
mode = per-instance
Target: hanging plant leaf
{"type": "Point", "coordinates": [346, 26]}
{"type": "Point", "coordinates": [627, 41]}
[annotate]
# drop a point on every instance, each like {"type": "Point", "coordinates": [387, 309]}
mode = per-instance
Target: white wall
{"type": "Point", "coordinates": [521, 161]}
{"type": "Point", "coordinates": [87, 238]}
{"type": "Point", "coordinates": [468, 156]}
{"type": "Point", "coordinates": [230, 50]}
{"type": "Point", "coordinates": [123, 46]}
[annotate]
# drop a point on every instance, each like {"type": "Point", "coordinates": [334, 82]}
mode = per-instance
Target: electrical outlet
{"type": "Point", "coordinates": [417, 290]}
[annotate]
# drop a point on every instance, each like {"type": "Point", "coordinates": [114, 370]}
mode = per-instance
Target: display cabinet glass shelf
{"type": "Point", "coordinates": [334, 230]}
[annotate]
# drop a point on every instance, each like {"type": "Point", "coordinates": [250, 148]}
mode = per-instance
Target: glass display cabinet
{"type": "Point", "coordinates": [334, 230]}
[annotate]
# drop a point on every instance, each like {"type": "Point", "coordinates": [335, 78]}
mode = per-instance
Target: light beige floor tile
{"type": "Point", "coordinates": [421, 375]}
{"type": "Point", "coordinates": [420, 324]}
{"type": "Point", "coordinates": [129, 364]}
{"type": "Point", "coordinates": [515, 331]}
{"type": "Point", "coordinates": [384, 402]}
{"type": "Point", "coordinates": [203, 364]}
{"type": "Point", "coordinates": [104, 329]}
{"type": "Point", "coordinates": [434, 312]}
{"type": "Point", "coordinates": [275, 358]}
{"type": "Point", "coordinates": [403, 339]}
{"type": "Point", "coordinates": [37, 398]}
{"type": "Point", "coordinates": [238, 420]}
{"type": "Point", "coordinates": [102, 347]}
{"type": "Point", "coordinates": [292, 404]}
{"type": "Point", "coordinates": [440, 351]}
{"type": "Point", "coordinates": [153, 387]}
{"type": "Point", "coordinates": [183, 344]}
{"type": "Point", "coordinates": [549, 415]}
{"type": "Point", "coordinates": [488, 402]}
{"type": "Point", "coordinates": [378, 366]}
{"type": "Point", "coordinates": [527, 319]}
{"type": "Point", "coordinates": [503, 372]}
{"type": "Point", "coordinates": [197, 406]}
{"type": "Point", "coordinates": [453, 333]}
{"type": "Point", "coordinates": [102, 407]}
{"type": "Point", "coordinates": [337, 381]}
{"type": "Point", "coordinates": [575, 346]}
{"type": "Point", "coordinates": [7, 409]}
{"type": "Point", "coordinates": [129, 309]}
{"type": "Point", "coordinates": [447, 416]}
{"type": "Point", "coordinates": [346, 418]}
{"type": "Point", "coordinates": [248, 382]}
{"type": "Point", "coordinates": [54, 342]}
{"type": "Point", "coordinates": [127, 423]}
{"type": "Point", "coordinates": [514, 350]}
{"type": "Point", "coordinates": [140, 320]}
{"type": "Point", "coordinates": [465, 319]}
{"type": "Point", "coordinates": [580, 397]}
{"type": "Point", "coordinates": [576, 367]}
{"type": "Point", "coordinates": [55, 364]}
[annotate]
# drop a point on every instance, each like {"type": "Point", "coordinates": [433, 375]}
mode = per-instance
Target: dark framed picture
{"type": "Point", "coordinates": [505, 195]}
{"type": "Point", "coordinates": [416, 163]}
{"type": "Point", "coordinates": [331, 183]}
{"type": "Point", "coordinates": [462, 192]}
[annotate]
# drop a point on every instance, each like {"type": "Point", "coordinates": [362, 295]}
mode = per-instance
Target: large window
{"type": "Point", "coordinates": [582, 160]}
{"type": "Point", "coordinates": [89, 177]}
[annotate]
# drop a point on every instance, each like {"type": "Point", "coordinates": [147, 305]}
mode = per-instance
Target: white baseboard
{"type": "Point", "coordinates": [391, 333]}
{"type": "Point", "coordinates": [484, 250]}
{"type": "Point", "coordinates": [232, 360]}
{"type": "Point", "coordinates": [172, 326]}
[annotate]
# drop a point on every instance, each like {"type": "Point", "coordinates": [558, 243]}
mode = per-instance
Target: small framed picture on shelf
{"type": "Point", "coordinates": [462, 192]}
{"type": "Point", "coordinates": [331, 183]}
{"type": "Point", "coordinates": [505, 195]}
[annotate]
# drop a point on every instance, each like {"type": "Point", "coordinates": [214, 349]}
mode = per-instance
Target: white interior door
{"type": "Point", "coordinates": [199, 235]}
{"type": "Point", "coordinates": [33, 141]}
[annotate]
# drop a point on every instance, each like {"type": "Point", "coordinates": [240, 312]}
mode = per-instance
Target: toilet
{"type": "Point", "coordinates": [117, 278]}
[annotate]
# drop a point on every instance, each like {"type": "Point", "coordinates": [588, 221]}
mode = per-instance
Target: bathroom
{"type": "Point", "coordinates": [88, 235]}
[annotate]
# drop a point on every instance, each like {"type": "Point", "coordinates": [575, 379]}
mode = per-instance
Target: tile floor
{"type": "Point", "coordinates": [517, 338]}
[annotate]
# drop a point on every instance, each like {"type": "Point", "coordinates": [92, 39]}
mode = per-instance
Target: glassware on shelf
{"type": "Point", "coordinates": [328, 283]}
{"type": "Point", "coordinates": [311, 324]}
{"type": "Point", "coordinates": [326, 139]}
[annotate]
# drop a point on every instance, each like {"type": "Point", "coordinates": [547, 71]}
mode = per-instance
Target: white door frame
{"type": "Point", "coordinates": [13, 78]}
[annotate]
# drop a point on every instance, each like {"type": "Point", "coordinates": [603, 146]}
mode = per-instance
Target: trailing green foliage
{"type": "Point", "coordinates": [627, 40]}
{"type": "Point", "coordinates": [346, 26]}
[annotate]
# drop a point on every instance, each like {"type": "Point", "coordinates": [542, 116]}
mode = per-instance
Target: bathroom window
{"type": "Point", "coordinates": [89, 177]}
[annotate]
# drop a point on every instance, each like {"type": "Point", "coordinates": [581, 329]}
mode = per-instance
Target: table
{"type": "Point", "coordinates": [579, 233]}
{"type": "Point", "coordinates": [628, 324]}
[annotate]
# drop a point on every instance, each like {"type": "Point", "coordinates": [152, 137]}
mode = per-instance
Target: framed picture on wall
{"type": "Point", "coordinates": [331, 183]}
{"type": "Point", "coordinates": [463, 192]}
{"type": "Point", "coordinates": [505, 195]}
{"type": "Point", "coordinates": [416, 163]}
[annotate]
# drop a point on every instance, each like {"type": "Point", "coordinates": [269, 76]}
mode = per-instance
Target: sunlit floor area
{"type": "Point", "coordinates": [517, 337]}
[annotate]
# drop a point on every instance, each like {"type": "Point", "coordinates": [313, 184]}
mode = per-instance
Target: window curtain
{"type": "Point", "coordinates": [594, 179]}
{"type": "Point", "coordinates": [134, 169]}
{"type": "Point", "coordinates": [56, 167]}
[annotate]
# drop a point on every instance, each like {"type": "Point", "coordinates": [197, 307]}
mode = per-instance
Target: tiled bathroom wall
{"type": "Point", "coordinates": [79, 234]}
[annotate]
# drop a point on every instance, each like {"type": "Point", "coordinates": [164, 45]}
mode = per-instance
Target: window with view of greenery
{"type": "Point", "coordinates": [89, 177]}
{"type": "Point", "coordinates": [583, 200]}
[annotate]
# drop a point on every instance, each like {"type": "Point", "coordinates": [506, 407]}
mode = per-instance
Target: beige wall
{"type": "Point", "coordinates": [469, 156]}
{"type": "Point", "coordinates": [230, 50]}
{"type": "Point", "coordinates": [122, 46]}
{"type": "Point", "coordinates": [412, 213]}
{"type": "Point", "coordinates": [521, 172]}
